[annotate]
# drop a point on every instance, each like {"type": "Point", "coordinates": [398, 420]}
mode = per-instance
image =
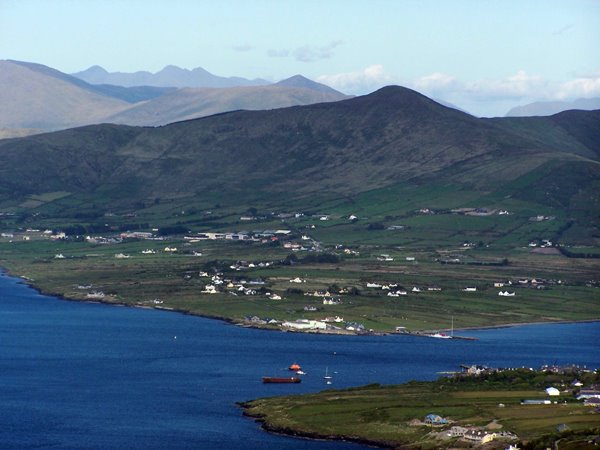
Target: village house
{"type": "Point", "coordinates": [479, 436]}
{"type": "Point", "coordinates": [435, 420]}
{"type": "Point", "coordinates": [209, 289]}
{"type": "Point", "coordinates": [354, 326]}
{"type": "Point", "coordinates": [332, 301]}
{"type": "Point", "coordinates": [305, 324]}
{"type": "Point", "coordinates": [552, 391]}
{"type": "Point", "coordinates": [588, 393]}
{"type": "Point", "coordinates": [336, 319]}
{"type": "Point", "coordinates": [457, 431]}
{"type": "Point", "coordinates": [506, 294]}
{"type": "Point", "coordinates": [320, 294]}
{"type": "Point", "coordinates": [136, 235]}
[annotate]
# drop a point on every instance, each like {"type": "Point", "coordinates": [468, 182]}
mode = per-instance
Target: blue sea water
{"type": "Point", "coordinates": [93, 376]}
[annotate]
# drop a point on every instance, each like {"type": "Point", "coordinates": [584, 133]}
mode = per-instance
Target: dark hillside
{"type": "Point", "coordinates": [392, 136]}
{"type": "Point", "coordinates": [583, 126]}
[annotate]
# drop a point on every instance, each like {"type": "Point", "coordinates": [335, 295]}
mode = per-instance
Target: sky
{"type": "Point", "coordinates": [483, 56]}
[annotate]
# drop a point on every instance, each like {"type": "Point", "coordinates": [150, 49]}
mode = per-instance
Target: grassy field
{"type": "Point", "coordinates": [393, 416]}
{"type": "Point", "coordinates": [429, 244]}
{"type": "Point", "coordinates": [173, 280]}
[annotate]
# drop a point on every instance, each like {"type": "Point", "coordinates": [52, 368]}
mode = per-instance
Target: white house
{"type": "Point", "coordinates": [506, 294]}
{"type": "Point", "coordinates": [305, 324]}
{"type": "Point", "coordinates": [552, 391]}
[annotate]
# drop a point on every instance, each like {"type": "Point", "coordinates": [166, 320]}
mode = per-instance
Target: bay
{"type": "Point", "coordinates": [86, 375]}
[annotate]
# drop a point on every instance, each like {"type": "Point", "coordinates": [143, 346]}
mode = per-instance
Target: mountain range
{"type": "Point", "coordinates": [170, 76]}
{"type": "Point", "coordinates": [38, 98]}
{"type": "Point", "coordinates": [550, 108]}
{"type": "Point", "coordinates": [294, 156]}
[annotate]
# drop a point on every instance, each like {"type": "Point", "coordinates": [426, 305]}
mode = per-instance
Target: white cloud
{"type": "Point", "coordinates": [435, 83]}
{"type": "Point", "coordinates": [359, 82]}
{"type": "Point", "coordinates": [310, 53]}
{"type": "Point", "coordinates": [580, 87]}
{"type": "Point", "coordinates": [486, 97]}
{"type": "Point", "coordinates": [518, 86]}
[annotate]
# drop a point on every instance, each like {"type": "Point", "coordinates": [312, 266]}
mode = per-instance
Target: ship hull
{"type": "Point", "coordinates": [281, 379]}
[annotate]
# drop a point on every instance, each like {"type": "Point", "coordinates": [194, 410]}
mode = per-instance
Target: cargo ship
{"type": "Point", "coordinates": [281, 379]}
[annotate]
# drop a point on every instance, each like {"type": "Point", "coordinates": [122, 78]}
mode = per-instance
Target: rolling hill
{"type": "Point", "coordinates": [35, 97]}
{"type": "Point", "coordinates": [189, 103]}
{"type": "Point", "coordinates": [296, 155]}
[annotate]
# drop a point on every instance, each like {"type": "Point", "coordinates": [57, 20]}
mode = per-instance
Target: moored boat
{"type": "Point", "coordinates": [295, 367]}
{"type": "Point", "coordinates": [281, 379]}
{"type": "Point", "coordinates": [439, 336]}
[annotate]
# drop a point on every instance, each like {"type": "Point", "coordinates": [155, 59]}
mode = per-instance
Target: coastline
{"type": "Point", "coordinates": [258, 418]}
{"type": "Point", "coordinates": [419, 333]}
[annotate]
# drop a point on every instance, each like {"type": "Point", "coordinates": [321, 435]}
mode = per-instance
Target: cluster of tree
{"type": "Point", "coordinates": [292, 259]}
{"type": "Point", "coordinates": [172, 229]}
{"type": "Point", "coordinates": [568, 253]}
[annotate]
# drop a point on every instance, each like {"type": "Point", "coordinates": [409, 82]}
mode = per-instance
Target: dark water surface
{"type": "Point", "coordinates": [83, 375]}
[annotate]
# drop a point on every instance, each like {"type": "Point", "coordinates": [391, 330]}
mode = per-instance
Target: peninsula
{"type": "Point", "coordinates": [522, 408]}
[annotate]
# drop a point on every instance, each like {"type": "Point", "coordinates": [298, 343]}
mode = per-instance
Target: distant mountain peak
{"type": "Point", "coordinates": [548, 108]}
{"type": "Point", "coordinates": [168, 76]}
{"type": "Point", "coordinates": [97, 69]}
{"type": "Point", "coordinates": [300, 81]}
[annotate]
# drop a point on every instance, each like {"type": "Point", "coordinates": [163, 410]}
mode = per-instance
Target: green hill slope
{"type": "Point", "coordinates": [393, 137]}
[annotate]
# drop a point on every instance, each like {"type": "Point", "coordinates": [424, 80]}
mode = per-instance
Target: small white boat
{"type": "Point", "coordinates": [327, 377]}
{"type": "Point", "coordinates": [439, 336]}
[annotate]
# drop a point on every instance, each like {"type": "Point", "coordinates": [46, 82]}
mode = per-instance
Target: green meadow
{"type": "Point", "coordinates": [392, 416]}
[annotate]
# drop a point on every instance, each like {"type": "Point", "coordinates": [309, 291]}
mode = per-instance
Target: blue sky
{"type": "Point", "coordinates": [484, 56]}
